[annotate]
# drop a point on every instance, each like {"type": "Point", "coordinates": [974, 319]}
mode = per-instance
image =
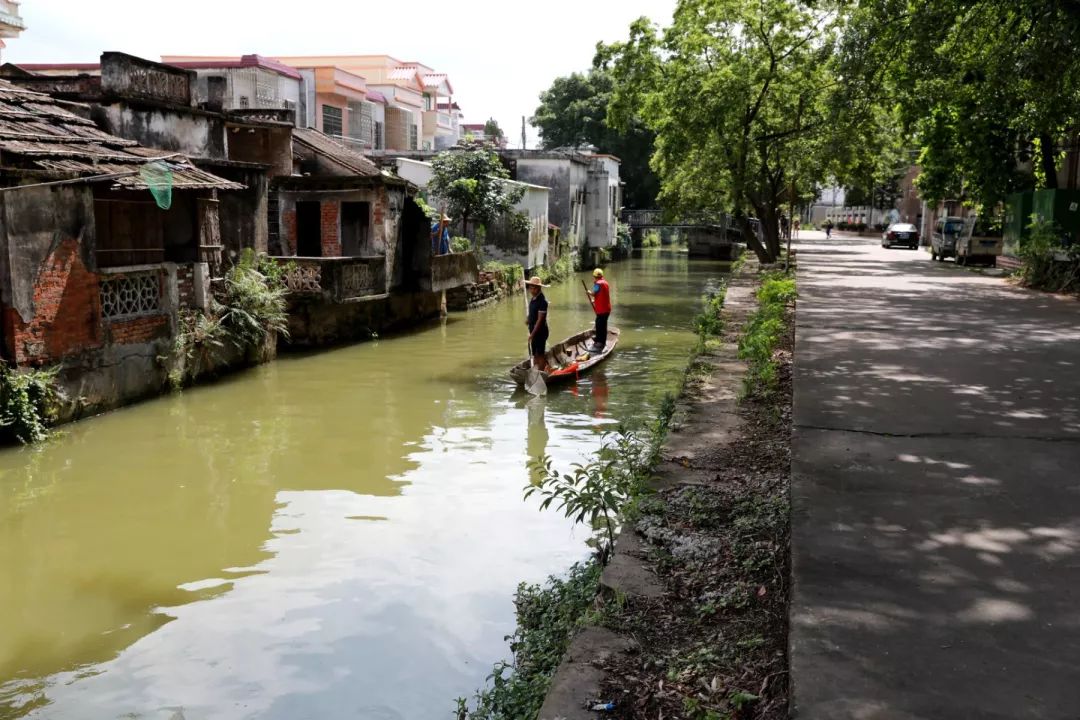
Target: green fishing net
{"type": "Point", "coordinates": [159, 179]}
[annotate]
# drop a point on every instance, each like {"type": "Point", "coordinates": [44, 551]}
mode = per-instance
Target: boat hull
{"type": "Point", "coordinates": [565, 355]}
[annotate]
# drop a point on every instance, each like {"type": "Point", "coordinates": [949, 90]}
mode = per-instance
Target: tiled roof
{"type": "Point", "coordinates": [47, 136]}
{"type": "Point", "coordinates": [324, 145]}
{"type": "Point", "coordinates": [403, 73]}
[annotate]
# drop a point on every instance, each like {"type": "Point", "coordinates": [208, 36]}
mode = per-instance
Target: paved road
{"type": "Point", "coordinates": [935, 491]}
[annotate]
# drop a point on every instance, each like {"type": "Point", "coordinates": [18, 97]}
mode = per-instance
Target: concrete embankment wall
{"type": "Point", "coordinates": [316, 323]}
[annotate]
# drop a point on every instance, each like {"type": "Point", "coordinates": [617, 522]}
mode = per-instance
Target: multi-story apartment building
{"type": "Point", "coordinates": [249, 82]}
{"type": "Point", "coordinates": [412, 92]}
{"type": "Point", "coordinates": [11, 23]}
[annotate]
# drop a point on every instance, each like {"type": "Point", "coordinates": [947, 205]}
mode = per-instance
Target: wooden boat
{"type": "Point", "coordinates": [565, 360]}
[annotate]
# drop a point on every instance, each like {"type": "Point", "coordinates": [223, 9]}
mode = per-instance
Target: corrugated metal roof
{"type": "Point", "coordinates": [325, 146]}
{"type": "Point", "coordinates": [50, 137]}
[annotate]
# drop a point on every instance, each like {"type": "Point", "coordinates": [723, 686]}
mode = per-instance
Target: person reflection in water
{"type": "Point", "coordinates": [537, 440]}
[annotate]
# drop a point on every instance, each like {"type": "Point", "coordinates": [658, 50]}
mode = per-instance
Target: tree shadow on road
{"type": "Point", "coordinates": [936, 480]}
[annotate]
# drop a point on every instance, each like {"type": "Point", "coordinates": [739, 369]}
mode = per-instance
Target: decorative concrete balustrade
{"type": "Point", "coordinates": [338, 280]}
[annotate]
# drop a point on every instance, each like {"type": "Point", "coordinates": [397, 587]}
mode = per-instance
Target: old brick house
{"type": "Point", "coordinates": [93, 273]}
{"type": "Point", "coordinates": [355, 241]}
{"type": "Point", "coordinates": [160, 106]}
{"type": "Point", "coordinates": [358, 245]}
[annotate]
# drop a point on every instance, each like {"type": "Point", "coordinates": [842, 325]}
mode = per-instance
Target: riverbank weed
{"type": "Point", "coordinates": [764, 331]}
{"type": "Point", "coordinates": [710, 321]}
{"type": "Point", "coordinates": [254, 302]}
{"type": "Point", "coordinates": [559, 271]}
{"type": "Point", "coordinates": [598, 492]}
{"type": "Point", "coordinates": [249, 310]}
{"type": "Point", "coordinates": [547, 616]}
{"type": "Point", "coordinates": [509, 275]}
{"type": "Point", "coordinates": [27, 403]}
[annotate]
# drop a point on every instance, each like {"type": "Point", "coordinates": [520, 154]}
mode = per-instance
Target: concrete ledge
{"type": "Point", "coordinates": [577, 681]}
{"type": "Point", "coordinates": [627, 575]}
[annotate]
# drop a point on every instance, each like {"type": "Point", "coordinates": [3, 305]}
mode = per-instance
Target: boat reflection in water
{"type": "Point", "coordinates": [599, 395]}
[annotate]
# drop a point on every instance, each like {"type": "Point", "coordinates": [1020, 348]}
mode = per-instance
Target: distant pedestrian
{"type": "Point", "coordinates": [795, 226]}
{"type": "Point", "coordinates": [601, 302]}
{"type": "Point", "coordinates": [828, 229]}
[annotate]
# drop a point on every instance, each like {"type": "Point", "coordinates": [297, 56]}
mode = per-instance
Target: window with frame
{"type": "Point", "coordinates": [414, 137]}
{"type": "Point", "coordinates": [378, 135]}
{"type": "Point", "coordinates": [331, 120]}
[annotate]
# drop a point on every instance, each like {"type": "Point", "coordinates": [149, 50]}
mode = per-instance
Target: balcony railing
{"type": "Point", "coordinates": [435, 121]}
{"type": "Point", "coordinates": [339, 280]}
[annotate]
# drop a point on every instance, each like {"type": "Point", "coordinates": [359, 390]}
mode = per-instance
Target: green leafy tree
{"type": "Point", "coordinates": [472, 182]}
{"type": "Point", "coordinates": [493, 131]}
{"type": "Point", "coordinates": [573, 112]}
{"type": "Point", "coordinates": [988, 88]}
{"type": "Point", "coordinates": [736, 92]}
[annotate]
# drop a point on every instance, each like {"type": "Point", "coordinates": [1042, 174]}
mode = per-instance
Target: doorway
{"type": "Point", "coordinates": [356, 229]}
{"type": "Point", "coordinates": [309, 228]}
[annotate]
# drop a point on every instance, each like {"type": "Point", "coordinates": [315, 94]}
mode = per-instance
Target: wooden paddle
{"type": "Point", "coordinates": [591, 301]}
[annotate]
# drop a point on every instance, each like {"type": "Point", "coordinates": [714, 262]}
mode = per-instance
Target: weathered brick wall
{"type": "Point", "coordinates": [67, 311]}
{"type": "Point", "coordinates": [137, 330]}
{"type": "Point", "coordinates": [331, 236]}
{"type": "Point", "coordinates": [288, 230]}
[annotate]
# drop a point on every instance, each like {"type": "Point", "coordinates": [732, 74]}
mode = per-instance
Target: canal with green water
{"type": "Point", "coordinates": [334, 535]}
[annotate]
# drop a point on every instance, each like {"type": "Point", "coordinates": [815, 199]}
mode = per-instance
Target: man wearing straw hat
{"type": "Point", "coordinates": [537, 323]}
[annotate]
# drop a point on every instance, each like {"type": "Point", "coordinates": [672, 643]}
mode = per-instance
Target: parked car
{"type": "Point", "coordinates": [900, 234]}
{"type": "Point", "coordinates": [947, 231]}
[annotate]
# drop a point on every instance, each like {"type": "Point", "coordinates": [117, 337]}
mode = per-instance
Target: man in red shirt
{"type": "Point", "coordinates": [601, 300]}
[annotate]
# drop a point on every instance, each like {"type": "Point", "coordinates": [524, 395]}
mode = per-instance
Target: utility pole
{"type": "Point", "coordinates": [522, 132]}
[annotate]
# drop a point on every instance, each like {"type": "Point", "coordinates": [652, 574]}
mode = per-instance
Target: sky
{"type": "Point", "coordinates": [499, 55]}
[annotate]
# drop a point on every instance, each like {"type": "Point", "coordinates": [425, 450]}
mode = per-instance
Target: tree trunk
{"type": "Point", "coordinates": [751, 239]}
{"type": "Point", "coordinates": [1049, 161]}
{"type": "Point", "coordinates": [771, 227]}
